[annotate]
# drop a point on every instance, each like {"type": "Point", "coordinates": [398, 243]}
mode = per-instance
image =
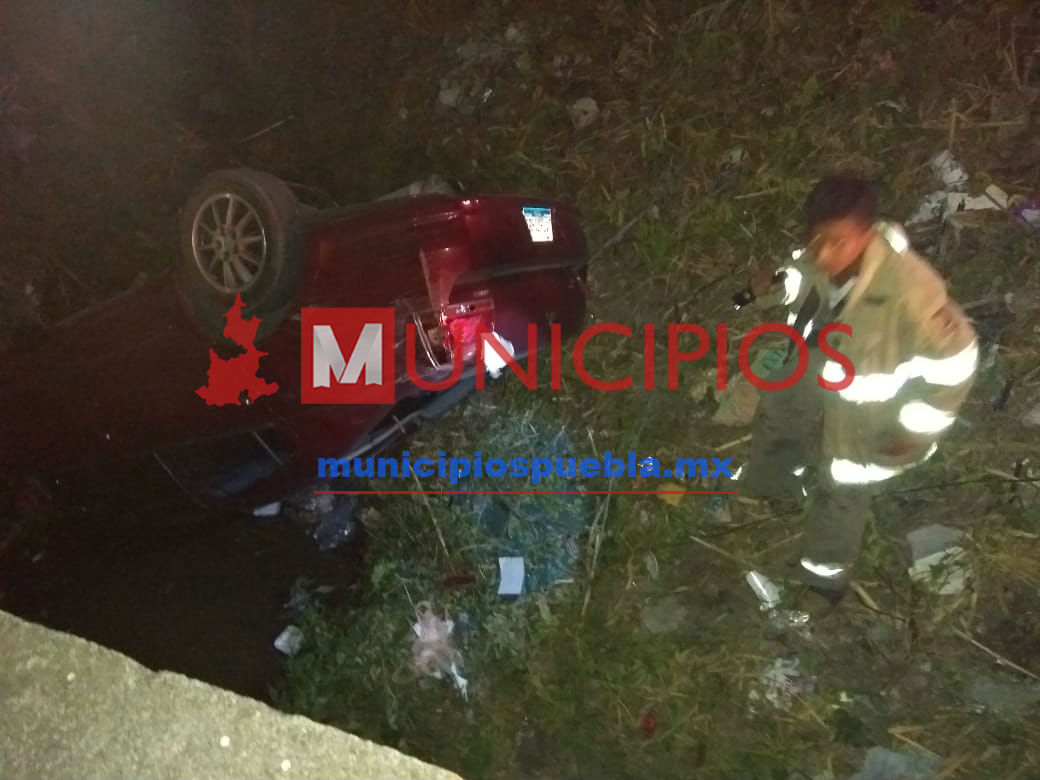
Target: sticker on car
{"type": "Point", "coordinates": [539, 223]}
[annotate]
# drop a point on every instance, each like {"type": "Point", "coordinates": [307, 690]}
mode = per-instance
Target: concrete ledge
{"type": "Point", "coordinates": [69, 708]}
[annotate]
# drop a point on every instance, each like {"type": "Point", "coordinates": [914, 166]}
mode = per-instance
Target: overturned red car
{"type": "Point", "coordinates": [111, 393]}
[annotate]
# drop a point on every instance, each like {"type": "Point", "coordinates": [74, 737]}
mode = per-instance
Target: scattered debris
{"type": "Point", "coordinates": [653, 570]}
{"type": "Point", "coordinates": [1028, 212]}
{"type": "Point", "coordinates": [766, 590]}
{"type": "Point", "coordinates": [268, 510]}
{"type": "Point", "coordinates": [289, 641]}
{"type": "Point", "coordinates": [483, 64]}
{"type": "Point", "coordinates": [1024, 301]}
{"type": "Point", "coordinates": [545, 530]}
{"type": "Point", "coordinates": [769, 594]}
{"type": "Point", "coordinates": [304, 593]}
{"type": "Point", "coordinates": [310, 503]}
{"type": "Point", "coordinates": [1002, 697]}
{"type": "Point", "coordinates": [564, 65]}
{"type": "Point", "coordinates": [948, 171]}
{"type": "Point", "coordinates": [665, 616]}
{"type": "Point", "coordinates": [337, 526]}
{"type": "Point", "coordinates": [939, 560]}
{"type": "Point", "coordinates": [433, 652]}
{"type": "Point", "coordinates": [511, 579]}
{"type": "Point", "coordinates": [669, 493]}
{"type": "Point", "coordinates": [733, 157]}
{"type": "Point", "coordinates": [717, 511]}
{"type": "Point", "coordinates": [883, 764]}
{"type": "Point", "coordinates": [942, 203]}
{"type": "Point", "coordinates": [780, 683]}
{"type": "Point", "coordinates": [450, 96]}
{"type": "Point", "coordinates": [434, 184]}
{"type": "Point", "coordinates": [515, 34]}
{"type": "Point", "coordinates": [1032, 417]}
{"type": "Point", "coordinates": [584, 112]}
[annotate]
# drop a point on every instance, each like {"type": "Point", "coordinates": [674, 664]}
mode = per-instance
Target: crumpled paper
{"type": "Point", "coordinates": [779, 683]}
{"type": "Point", "coordinates": [1027, 212]}
{"type": "Point", "coordinates": [954, 178]}
{"type": "Point", "coordinates": [433, 652]}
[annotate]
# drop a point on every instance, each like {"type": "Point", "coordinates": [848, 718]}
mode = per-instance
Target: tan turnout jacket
{"type": "Point", "coordinates": [913, 350]}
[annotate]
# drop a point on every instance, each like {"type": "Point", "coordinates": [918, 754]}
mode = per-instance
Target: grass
{"type": "Point", "coordinates": [715, 119]}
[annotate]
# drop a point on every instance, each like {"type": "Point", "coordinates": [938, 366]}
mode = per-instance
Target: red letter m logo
{"type": "Point", "coordinates": [347, 356]}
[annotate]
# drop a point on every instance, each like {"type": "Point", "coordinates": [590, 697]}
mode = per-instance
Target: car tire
{"type": "Point", "coordinates": [239, 235]}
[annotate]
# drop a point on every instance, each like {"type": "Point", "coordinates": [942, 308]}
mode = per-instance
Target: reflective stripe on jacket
{"type": "Point", "coordinates": [914, 352]}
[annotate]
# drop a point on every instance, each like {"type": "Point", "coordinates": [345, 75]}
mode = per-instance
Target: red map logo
{"type": "Point", "coordinates": [229, 379]}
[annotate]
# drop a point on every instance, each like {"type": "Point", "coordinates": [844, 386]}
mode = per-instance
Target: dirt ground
{"type": "Point", "coordinates": [711, 121]}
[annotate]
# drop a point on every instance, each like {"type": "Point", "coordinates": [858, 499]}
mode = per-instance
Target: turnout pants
{"type": "Point", "coordinates": [787, 462]}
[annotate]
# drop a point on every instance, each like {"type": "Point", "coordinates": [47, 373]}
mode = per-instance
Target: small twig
{"type": "Point", "coordinates": [938, 485]}
{"type": "Point", "coordinates": [864, 596]}
{"type": "Point", "coordinates": [812, 712]}
{"type": "Point", "coordinates": [758, 194]}
{"type": "Point", "coordinates": [622, 232]}
{"type": "Point", "coordinates": [952, 764]}
{"type": "Point", "coordinates": [696, 293]}
{"type": "Point", "coordinates": [720, 551]}
{"type": "Point", "coordinates": [433, 516]}
{"type": "Point", "coordinates": [267, 129]}
{"type": "Point", "coordinates": [781, 543]}
{"type": "Point", "coordinates": [917, 745]}
{"type": "Point", "coordinates": [592, 441]}
{"type": "Point", "coordinates": [597, 525]}
{"type": "Point", "coordinates": [969, 125]}
{"type": "Point", "coordinates": [994, 654]}
{"type": "Point", "coordinates": [1002, 474]}
{"type": "Point", "coordinates": [733, 443]}
{"type": "Point", "coordinates": [953, 124]}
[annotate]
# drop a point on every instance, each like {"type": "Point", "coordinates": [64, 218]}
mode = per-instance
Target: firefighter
{"type": "Point", "coordinates": [914, 356]}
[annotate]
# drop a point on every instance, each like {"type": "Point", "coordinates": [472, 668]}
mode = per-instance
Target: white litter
{"type": "Point", "coordinates": [289, 641]}
{"type": "Point", "coordinates": [450, 96]}
{"type": "Point", "coordinates": [511, 581]}
{"type": "Point", "coordinates": [938, 559]}
{"type": "Point", "coordinates": [493, 362]}
{"type": "Point", "coordinates": [584, 112]}
{"type": "Point", "coordinates": [948, 170]}
{"type": "Point", "coordinates": [268, 510]}
{"type": "Point", "coordinates": [766, 590]}
{"type": "Point", "coordinates": [779, 683]}
{"type": "Point", "coordinates": [433, 652]}
{"type": "Point", "coordinates": [652, 567]}
{"type": "Point", "coordinates": [953, 198]}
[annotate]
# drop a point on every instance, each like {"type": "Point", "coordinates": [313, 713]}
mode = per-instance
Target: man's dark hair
{"type": "Point", "coordinates": [839, 195]}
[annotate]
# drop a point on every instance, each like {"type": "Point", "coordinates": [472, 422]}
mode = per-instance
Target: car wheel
{"type": "Point", "coordinates": [239, 235]}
